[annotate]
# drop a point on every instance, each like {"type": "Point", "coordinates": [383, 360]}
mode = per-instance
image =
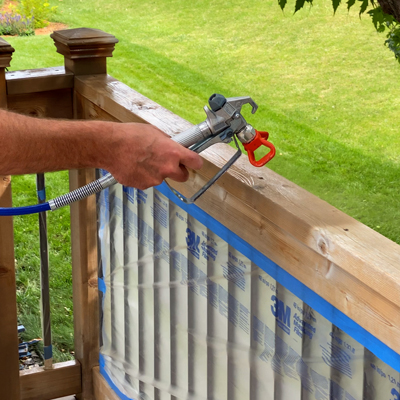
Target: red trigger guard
{"type": "Point", "coordinates": [259, 140]}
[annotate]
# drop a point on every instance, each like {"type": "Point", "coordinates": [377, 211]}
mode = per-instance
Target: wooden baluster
{"type": "Point", "coordinates": [85, 51]}
{"type": "Point", "coordinates": [9, 368]}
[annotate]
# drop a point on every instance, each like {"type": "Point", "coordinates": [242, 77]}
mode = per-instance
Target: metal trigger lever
{"type": "Point", "coordinates": [216, 176]}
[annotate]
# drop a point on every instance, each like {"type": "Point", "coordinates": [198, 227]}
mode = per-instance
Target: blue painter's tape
{"type": "Point", "coordinates": [42, 194]}
{"type": "Point", "coordinates": [48, 352]}
{"type": "Point", "coordinates": [327, 310]}
{"type": "Point", "coordinates": [101, 285]}
{"type": "Point", "coordinates": [109, 380]}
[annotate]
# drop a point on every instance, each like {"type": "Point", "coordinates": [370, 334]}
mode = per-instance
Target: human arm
{"type": "Point", "coordinates": [137, 155]}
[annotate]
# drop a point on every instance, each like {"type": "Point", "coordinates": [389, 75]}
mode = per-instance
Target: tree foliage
{"type": "Point", "coordinates": [385, 15]}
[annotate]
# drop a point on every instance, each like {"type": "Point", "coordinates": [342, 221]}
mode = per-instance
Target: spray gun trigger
{"type": "Point", "coordinates": [212, 180]}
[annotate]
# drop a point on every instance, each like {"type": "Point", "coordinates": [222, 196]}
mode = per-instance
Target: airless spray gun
{"type": "Point", "coordinates": [223, 124]}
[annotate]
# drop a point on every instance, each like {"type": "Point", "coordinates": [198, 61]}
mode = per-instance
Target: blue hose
{"type": "Point", "coordinates": [61, 201]}
{"type": "Point", "coordinates": [37, 208]}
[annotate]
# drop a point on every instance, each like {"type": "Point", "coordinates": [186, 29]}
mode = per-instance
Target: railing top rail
{"type": "Point", "coordinates": [38, 80]}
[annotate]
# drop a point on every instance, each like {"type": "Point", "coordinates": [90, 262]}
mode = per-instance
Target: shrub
{"type": "Point", "coordinates": [40, 11]}
{"type": "Point", "coordinates": [16, 25]}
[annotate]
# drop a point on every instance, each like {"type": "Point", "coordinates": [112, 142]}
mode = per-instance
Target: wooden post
{"type": "Point", "coordinates": [85, 51]}
{"type": "Point", "coordinates": [5, 57]}
{"type": "Point", "coordinates": [9, 369]}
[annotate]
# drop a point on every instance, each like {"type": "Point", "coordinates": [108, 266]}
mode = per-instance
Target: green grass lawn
{"type": "Point", "coordinates": [326, 87]}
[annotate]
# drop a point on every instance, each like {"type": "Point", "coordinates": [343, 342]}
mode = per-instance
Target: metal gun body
{"type": "Point", "coordinates": [224, 122]}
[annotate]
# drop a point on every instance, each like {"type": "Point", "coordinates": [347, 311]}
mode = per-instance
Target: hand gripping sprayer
{"type": "Point", "coordinates": [223, 124]}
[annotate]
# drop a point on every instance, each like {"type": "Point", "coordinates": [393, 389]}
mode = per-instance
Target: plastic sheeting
{"type": "Point", "coordinates": [185, 315]}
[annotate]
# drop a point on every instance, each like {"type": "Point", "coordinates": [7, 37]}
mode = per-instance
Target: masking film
{"type": "Point", "coordinates": [191, 312]}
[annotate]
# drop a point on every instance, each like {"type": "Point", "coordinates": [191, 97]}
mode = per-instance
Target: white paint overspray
{"type": "Point", "coordinates": [288, 345]}
{"type": "Point", "coordinates": [145, 200]}
{"type": "Point", "coordinates": [162, 306]}
{"type": "Point", "coordinates": [197, 307]}
{"type": "Point", "coordinates": [314, 372]}
{"type": "Point", "coordinates": [131, 256]}
{"type": "Point", "coordinates": [263, 287]}
{"type": "Point", "coordinates": [179, 300]}
{"type": "Point", "coordinates": [238, 300]}
{"type": "Point", "coordinates": [216, 251]}
{"type": "Point", "coordinates": [380, 380]}
{"type": "Point", "coordinates": [117, 281]}
{"type": "Point", "coordinates": [346, 360]}
{"type": "Point", "coordinates": [104, 239]}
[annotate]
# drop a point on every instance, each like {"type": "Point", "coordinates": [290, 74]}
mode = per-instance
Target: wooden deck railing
{"type": "Point", "coordinates": [349, 265]}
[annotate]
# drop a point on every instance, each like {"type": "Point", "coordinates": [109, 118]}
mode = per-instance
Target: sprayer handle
{"type": "Point", "coordinates": [259, 140]}
{"type": "Point", "coordinates": [193, 135]}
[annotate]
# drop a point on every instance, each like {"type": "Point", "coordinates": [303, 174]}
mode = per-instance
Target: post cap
{"type": "Point", "coordinates": [84, 43]}
{"type": "Point", "coordinates": [6, 51]}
